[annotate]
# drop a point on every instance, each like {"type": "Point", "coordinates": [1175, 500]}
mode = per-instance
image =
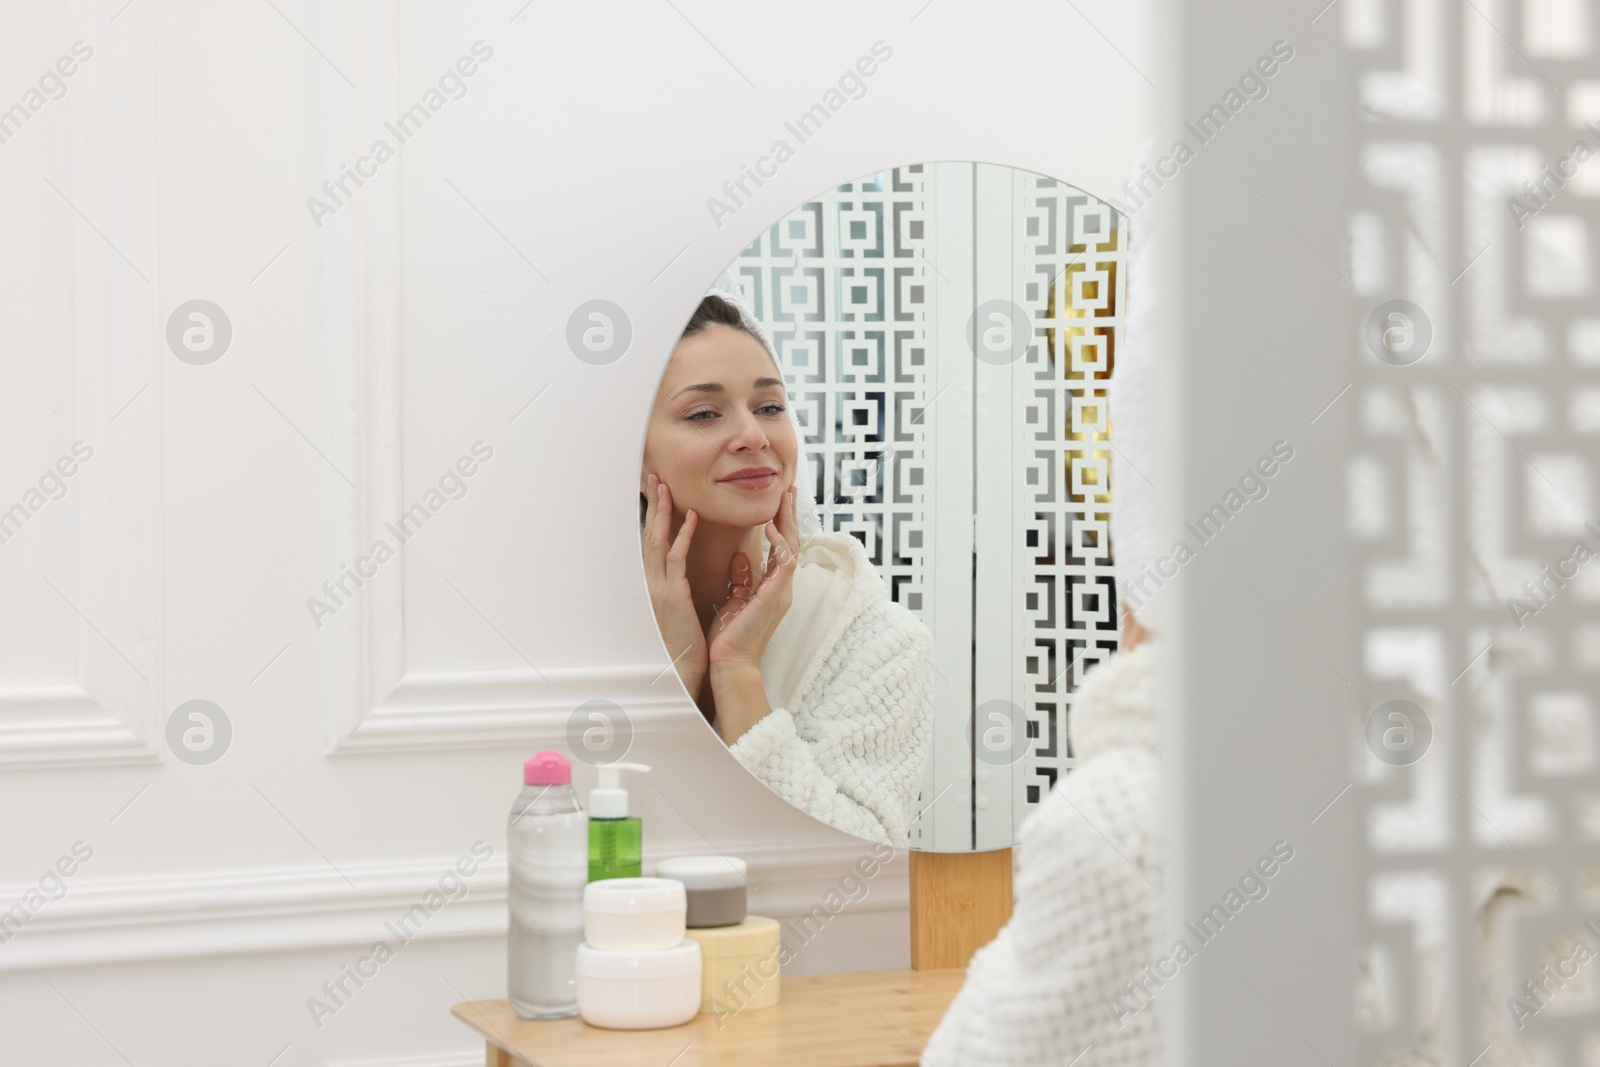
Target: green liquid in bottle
{"type": "Point", "coordinates": [615, 848]}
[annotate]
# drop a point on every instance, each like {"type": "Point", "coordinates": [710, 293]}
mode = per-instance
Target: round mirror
{"type": "Point", "coordinates": [924, 355]}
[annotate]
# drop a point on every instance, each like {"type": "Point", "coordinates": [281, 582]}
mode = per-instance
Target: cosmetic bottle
{"type": "Point", "coordinates": [616, 842]}
{"type": "Point", "coordinates": [547, 837]}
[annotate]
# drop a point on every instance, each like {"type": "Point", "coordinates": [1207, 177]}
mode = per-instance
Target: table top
{"type": "Point", "coordinates": [854, 1019]}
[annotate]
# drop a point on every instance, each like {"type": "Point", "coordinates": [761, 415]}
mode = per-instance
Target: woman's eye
{"type": "Point", "coordinates": [773, 408]}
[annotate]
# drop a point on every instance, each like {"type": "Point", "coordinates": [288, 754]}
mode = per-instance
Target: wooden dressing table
{"type": "Point", "coordinates": [959, 901]}
{"type": "Point", "coordinates": [863, 1019]}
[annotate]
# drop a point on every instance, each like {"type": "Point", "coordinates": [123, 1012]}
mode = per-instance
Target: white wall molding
{"type": "Point", "coordinates": [376, 705]}
{"type": "Point", "coordinates": [57, 726]}
{"type": "Point", "coordinates": [481, 709]}
{"type": "Point", "coordinates": [287, 909]}
{"type": "Point", "coordinates": [245, 912]}
{"type": "Point", "coordinates": [361, 272]}
{"type": "Point", "coordinates": [105, 167]}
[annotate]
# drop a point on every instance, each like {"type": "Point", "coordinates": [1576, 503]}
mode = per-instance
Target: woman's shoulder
{"type": "Point", "coordinates": [1112, 800]}
{"type": "Point", "coordinates": [1115, 706]}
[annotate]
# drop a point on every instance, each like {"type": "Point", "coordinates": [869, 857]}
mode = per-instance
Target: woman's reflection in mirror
{"type": "Point", "coordinates": [784, 633]}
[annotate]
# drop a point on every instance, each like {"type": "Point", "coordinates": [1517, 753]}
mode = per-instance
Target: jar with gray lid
{"type": "Point", "coordinates": [715, 886]}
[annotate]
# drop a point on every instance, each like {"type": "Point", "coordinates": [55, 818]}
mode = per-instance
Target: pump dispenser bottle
{"type": "Point", "coordinates": [615, 841]}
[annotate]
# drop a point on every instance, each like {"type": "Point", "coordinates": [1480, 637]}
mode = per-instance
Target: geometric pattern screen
{"type": "Point", "coordinates": [868, 291]}
{"type": "Point", "coordinates": [1474, 349]}
{"type": "Point", "coordinates": [1071, 280]}
{"type": "Point", "coordinates": [840, 282]}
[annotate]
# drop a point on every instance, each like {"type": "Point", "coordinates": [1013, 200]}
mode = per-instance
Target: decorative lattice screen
{"type": "Point", "coordinates": [842, 284]}
{"type": "Point", "coordinates": [1476, 379]}
{"type": "Point", "coordinates": [981, 492]}
{"type": "Point", "coordinates": [1071, 256]}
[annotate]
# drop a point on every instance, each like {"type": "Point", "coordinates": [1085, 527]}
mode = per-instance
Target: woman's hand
{"type": "Point", "coordinates": [667, 577]}
{"type": "Point", "coordinates": [743, 626]}
{"type": "Point", "coordinates": [1133, 633]}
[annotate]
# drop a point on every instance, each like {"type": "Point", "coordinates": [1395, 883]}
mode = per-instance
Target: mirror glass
{"type": "Point", "coordinates": [944, 335]}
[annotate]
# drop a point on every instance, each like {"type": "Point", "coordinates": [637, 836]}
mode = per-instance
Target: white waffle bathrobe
{"type": "Point", "coordinates": [1086, 906]}
{"type": "Point", "coordinates": [849, 676]}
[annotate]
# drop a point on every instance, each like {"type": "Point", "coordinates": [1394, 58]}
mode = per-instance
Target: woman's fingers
{"type": "Point", "coordinates": [792, 515]}
{"type": "Point", "coordinates": [782, 533]}
{"type": "Point", "coordinates": [663, 511]}
{"type": "Point", "coordinates": [657, 532]}
{"type": "Point", "coordinates": [742, 576]}
{"type": "Point", "coordinates": [678, 555]}
{"type": "Point", "coordinates": [775, 549]}
{"type": "Point", "coordinates": [669, 556]}
{"type": "Point", "coordinates": [663, 520]}
{"type": "Point", "coordinates": [791, 538]}
{"type": "Point", "coordinates": [786, 522]}
{"type": "Point", "coordinates": [781, 561]}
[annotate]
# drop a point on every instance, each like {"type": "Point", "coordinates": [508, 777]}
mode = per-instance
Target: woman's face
{"type": "Point", "coordinates": [721, 410]}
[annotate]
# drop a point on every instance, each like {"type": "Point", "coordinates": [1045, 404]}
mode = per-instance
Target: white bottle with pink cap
{"type": "Point", "coordinates": [548, 839]}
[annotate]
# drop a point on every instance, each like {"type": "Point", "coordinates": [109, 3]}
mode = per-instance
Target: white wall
{"type": "Point", "coordinates": [367, 355]}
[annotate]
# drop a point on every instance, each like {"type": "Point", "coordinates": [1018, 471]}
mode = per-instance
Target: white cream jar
{"type": "Point", "coordinates": [634, 914]}
{"type": "Point", "coordinates": [639, 990]}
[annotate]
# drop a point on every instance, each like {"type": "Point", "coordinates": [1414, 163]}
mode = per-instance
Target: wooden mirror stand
{"type": "Point", "coordinates": [959, 901]}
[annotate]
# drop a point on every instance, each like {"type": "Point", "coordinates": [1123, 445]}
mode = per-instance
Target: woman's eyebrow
{"type": "Point", "coordinates": [716, 387]}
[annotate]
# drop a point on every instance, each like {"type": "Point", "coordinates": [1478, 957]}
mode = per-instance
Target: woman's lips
{"type": "Point", "coordinates": [757, 481]}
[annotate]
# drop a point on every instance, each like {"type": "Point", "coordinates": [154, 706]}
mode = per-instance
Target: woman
{"type": "Point", "coordinates": [785, 634]}
{"type": "Point", "coordinates": [1087, 899]}
{"type": "Point", "coordinates": [1087, 911]}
